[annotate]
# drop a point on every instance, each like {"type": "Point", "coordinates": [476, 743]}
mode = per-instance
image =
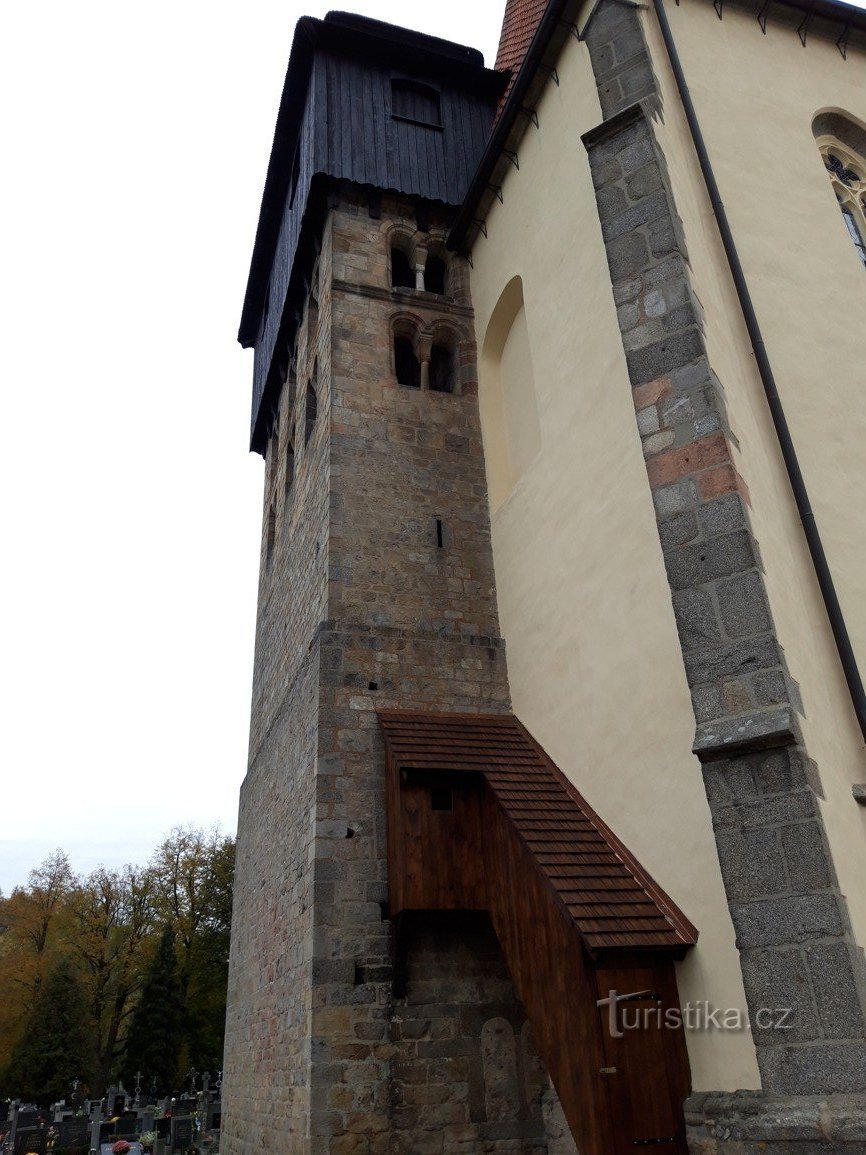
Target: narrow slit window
{"type": "Point", "coordinates": [407, 367]}
{"type": "Point", "coordinates": [270, 544]}
{"type": "Point", "coordinates": [441, 369]}
{"type": "Point", "coordinates": [290, 462]}
{"type": "Point", "coordinates": [312, 411]}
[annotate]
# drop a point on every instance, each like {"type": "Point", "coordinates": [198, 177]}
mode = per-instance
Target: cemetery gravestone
{"type": "Point", "coordinates": [30, 1139]}
{"type": "Point", "coordinates": [181, 1134]}
{"type": "Point", "coordinates": [73, 1133]}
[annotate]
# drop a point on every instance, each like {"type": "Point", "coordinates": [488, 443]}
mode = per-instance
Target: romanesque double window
{"type": "Point", "coordinates": [843, 149]}
{"type": "Point", "coordinates": [425, 359]}
{"type": "Point", "coordinates": [423, 267]}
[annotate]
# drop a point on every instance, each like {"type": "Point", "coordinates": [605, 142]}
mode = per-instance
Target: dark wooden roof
{"type": "Point", "coordinates": [335, 124]}
{"type": "Point", "coordinates": [613, 902]}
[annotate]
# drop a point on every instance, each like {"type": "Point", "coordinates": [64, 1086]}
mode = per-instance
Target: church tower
{"type": "Point", "coordinates": [410, 876]}
{"type": "Point", "coordinates": [375, 591]}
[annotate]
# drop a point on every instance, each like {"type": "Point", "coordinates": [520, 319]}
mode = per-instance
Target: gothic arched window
{"type": "Point", "coordinates": [843, 149]}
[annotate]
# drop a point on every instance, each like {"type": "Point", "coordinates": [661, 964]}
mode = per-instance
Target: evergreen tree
{"type": "Point", "coordinates": [56, 1046]}
{"type": "Point", "coordinates": [155, 1040]}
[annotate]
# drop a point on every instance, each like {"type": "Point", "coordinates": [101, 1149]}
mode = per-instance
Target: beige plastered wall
{"type": "Point", "coordinates": [594, 660]}
{"type": "Point", "coordinates": [756, 97]}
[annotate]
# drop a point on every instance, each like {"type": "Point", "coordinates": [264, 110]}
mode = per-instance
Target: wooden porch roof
{"type": "Point", "coordinates": [612, 901]}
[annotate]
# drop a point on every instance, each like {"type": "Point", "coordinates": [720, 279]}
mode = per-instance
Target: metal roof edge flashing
{"type": "Point", "coordinates": [551, 22]}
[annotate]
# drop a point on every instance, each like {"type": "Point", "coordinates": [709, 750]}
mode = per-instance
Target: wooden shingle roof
{"type": "Point", "coordinates": [612, 900]}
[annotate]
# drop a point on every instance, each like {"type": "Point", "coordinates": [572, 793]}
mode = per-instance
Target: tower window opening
{"type": "Point", "coordinates": [312, 410]}
{"type": "Point", "coordinates": [290, 462]}
{"type": "Point", "coordinates": [441, 369]}
{"type": "Point", "coordinates": [435, 275]}
{"type": "Point", "coordinates": [402, 273]}
{"type": "Point", "coordinates": [416, 103]}
{"type": "Point", "coordinates": [273, 457]}
{"type": "Point", "coordinates": [407, 367]}
{"type": "Point", "coordinates": [271, 541]}
{"type": "Point", "coordinates": [441, 798]}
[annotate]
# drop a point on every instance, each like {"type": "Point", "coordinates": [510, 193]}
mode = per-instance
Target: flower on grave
{"type": "Point", "coordinates": [121, 1147]}
{"type": "Point", "coordinates": [148, 1138]}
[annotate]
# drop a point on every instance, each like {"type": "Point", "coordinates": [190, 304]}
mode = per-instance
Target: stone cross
{"type": "Point", "coordinates": [96, 1123]}
{"type": "Point", "coordinates": [13, 1123]}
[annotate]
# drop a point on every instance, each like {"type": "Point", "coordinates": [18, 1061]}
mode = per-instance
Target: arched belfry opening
{"type": "Point", "coordinates": [436, 274]}
{"type": "Point", "coordinates": [402, 266]}
{"type": "Point", "coordinates": [443, 367]}
{"type": "Point", "coordinates": [406, 359]}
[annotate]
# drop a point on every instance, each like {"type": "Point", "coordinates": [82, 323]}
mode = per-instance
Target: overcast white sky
{"type": "Point", "coordinates": [135, 141]}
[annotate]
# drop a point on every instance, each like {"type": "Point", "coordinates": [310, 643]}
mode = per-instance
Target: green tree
{"type": "Point", "coordinates": [32, 920]}
{"type": "Point", "coordinates": [157, 1029]}
{"type": "Point", "coordinates": [56, 1045]}
{"type": "Point", "coordinates": [112, 914]}
{"type": "Point", "coordinates": [193, 872]}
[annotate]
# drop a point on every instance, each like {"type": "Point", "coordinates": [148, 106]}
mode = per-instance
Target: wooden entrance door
{"type": "Point", "coordinates": [645, 1065]}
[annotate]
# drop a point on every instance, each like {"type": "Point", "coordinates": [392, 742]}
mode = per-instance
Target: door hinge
{"type": "Point", "coordinates": [652, 1142]}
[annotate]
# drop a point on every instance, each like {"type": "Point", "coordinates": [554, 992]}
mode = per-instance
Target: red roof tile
{"type": "Point", "coordinates": [613, 901]}
{"type": "Point", "coordinates": [519, 23]}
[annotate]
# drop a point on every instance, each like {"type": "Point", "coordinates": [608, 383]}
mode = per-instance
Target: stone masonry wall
{"type": "Point", "coordinates": [267, 1051]}
{"type": "Point", "coordinates": [411, 625]}
{"type": "Point", "coordinates": [266, 1063]}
